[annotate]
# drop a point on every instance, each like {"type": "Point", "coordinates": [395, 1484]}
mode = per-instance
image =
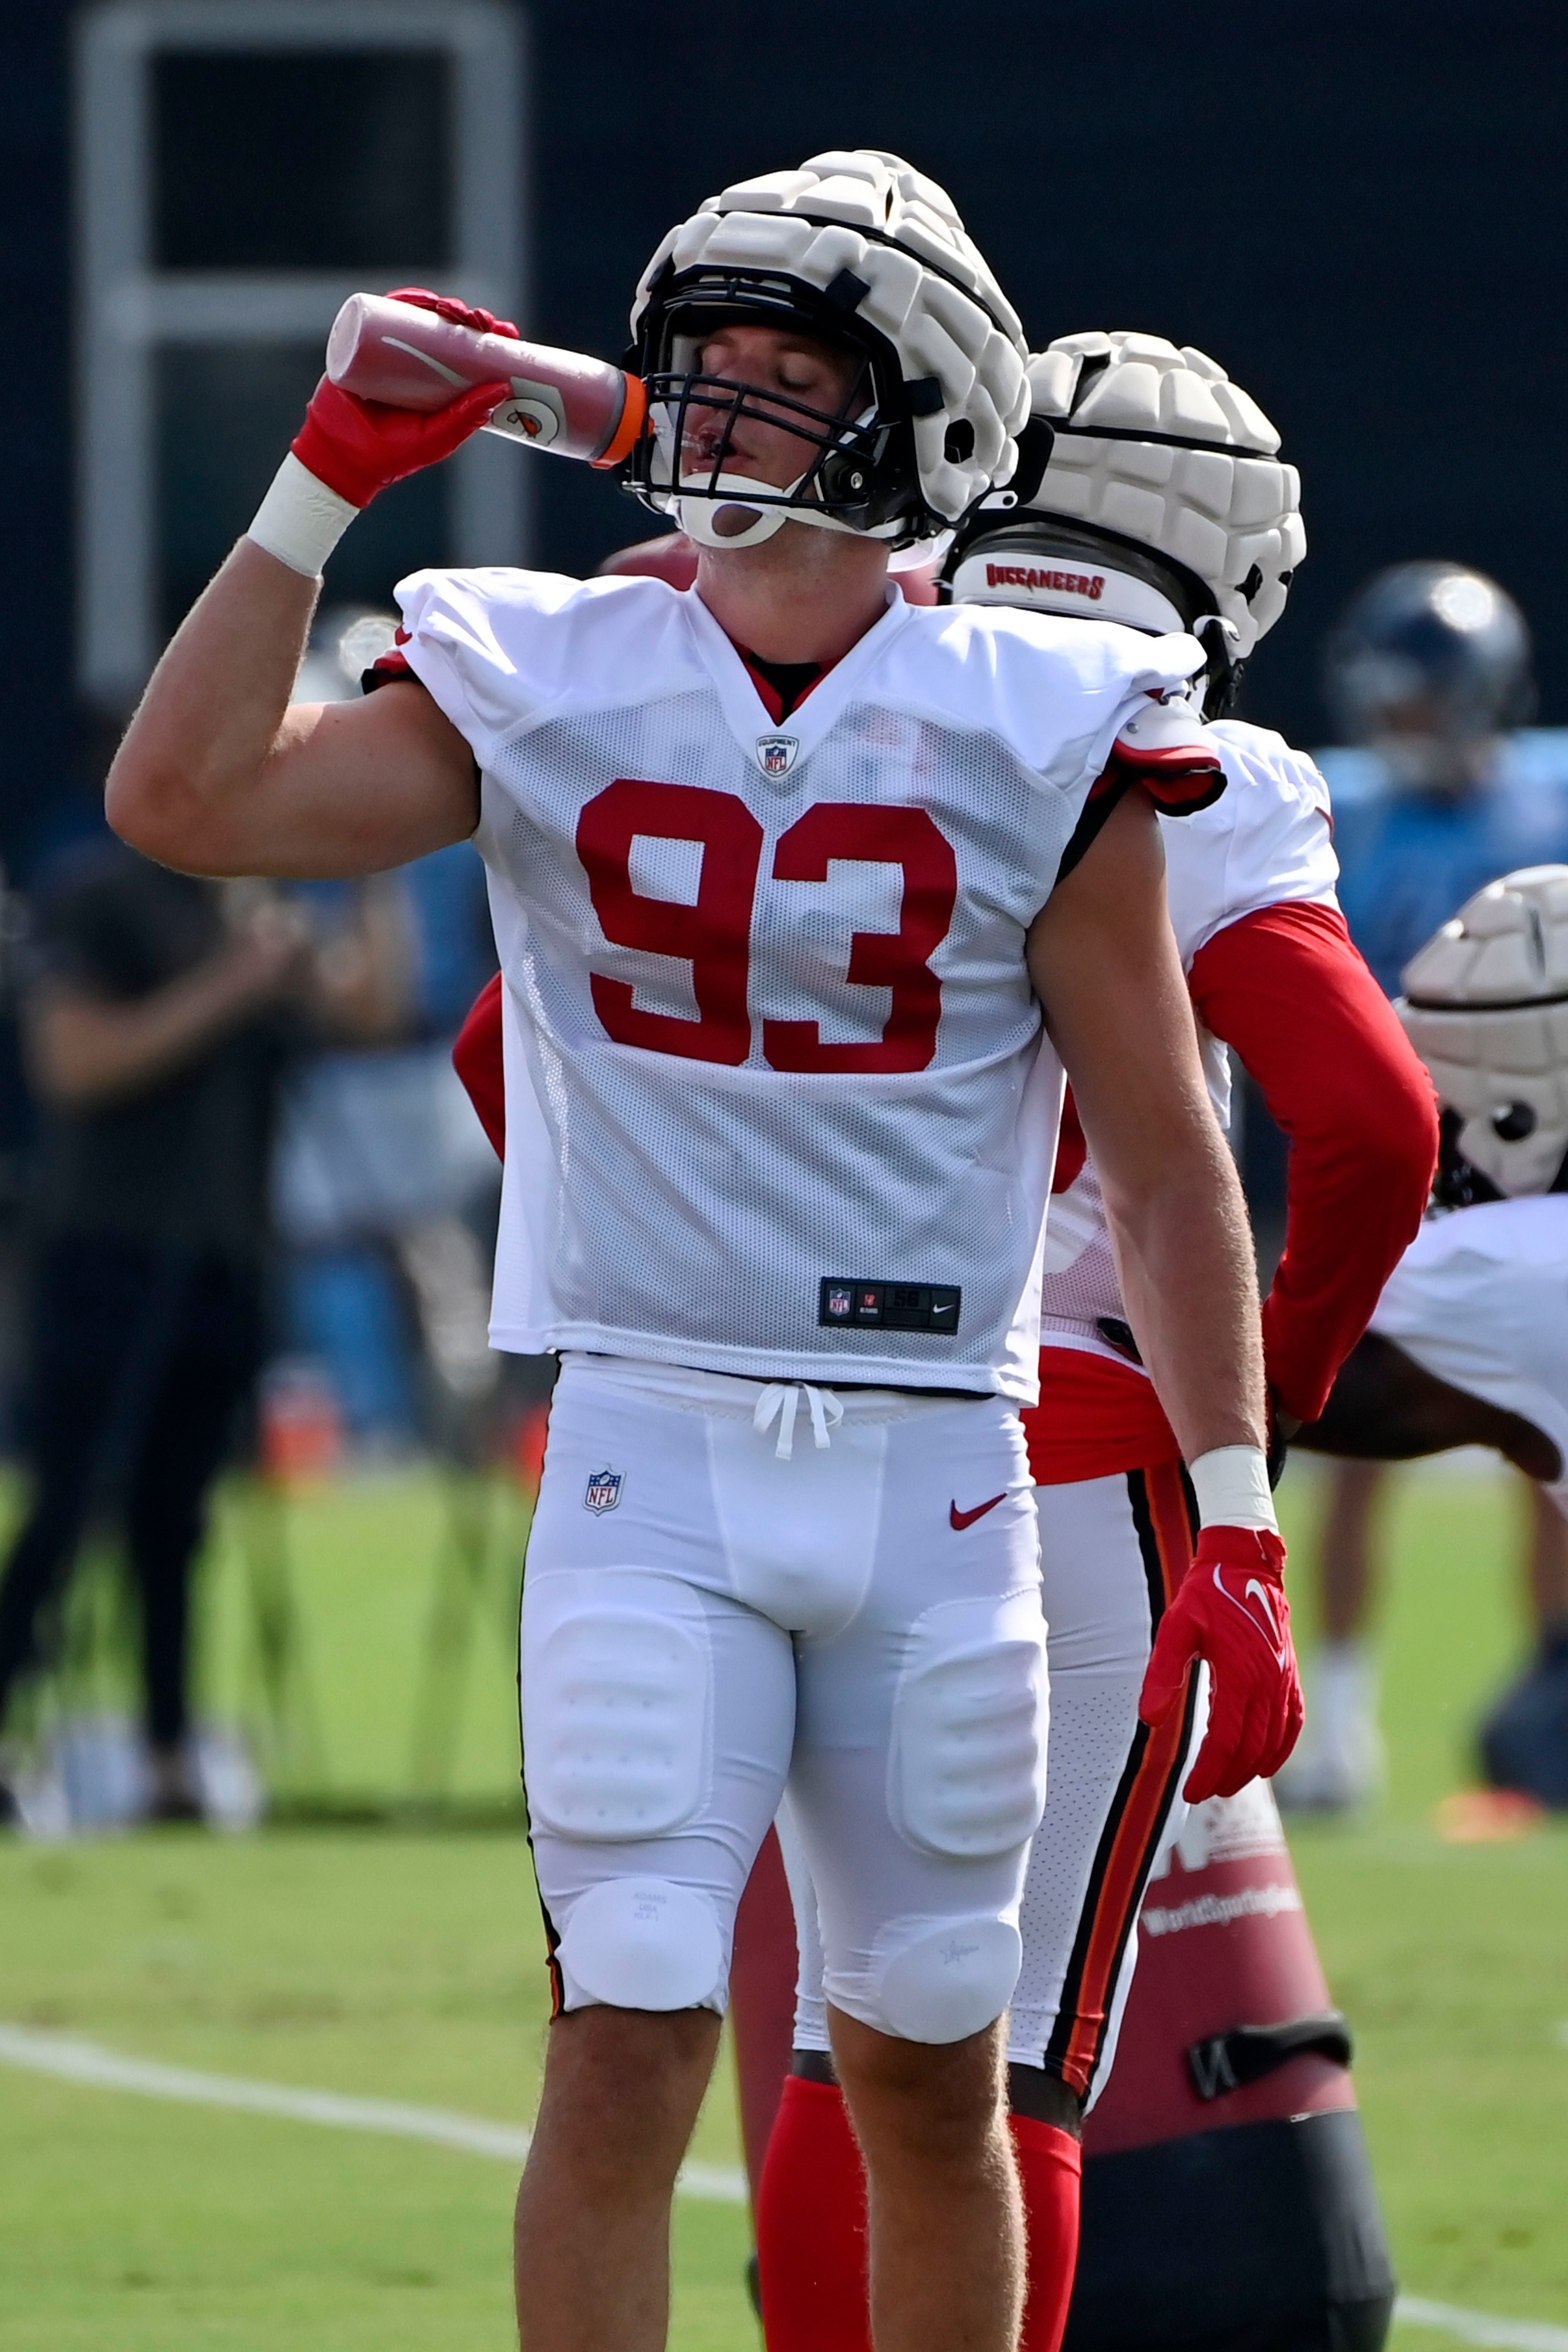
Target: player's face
{"type": "Point", "coordinates": [767, 359]}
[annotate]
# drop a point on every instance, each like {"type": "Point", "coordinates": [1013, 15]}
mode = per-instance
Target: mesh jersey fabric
{"type": "Point", "coordinates": [1266, 842]}
{"type": "Point", "coordinates": [684, 1200]}
{"type": "Point", "coordinates": [1480, 1301]}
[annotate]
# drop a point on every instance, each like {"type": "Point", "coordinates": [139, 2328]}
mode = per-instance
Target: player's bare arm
{"type": "Point", "coordinates": [218, 775]}
{"type": "Point", "coordinates": [1105, 967]}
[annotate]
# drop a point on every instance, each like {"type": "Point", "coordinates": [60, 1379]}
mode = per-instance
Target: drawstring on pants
{"type": "Point", "coordinates": [781, 1402]}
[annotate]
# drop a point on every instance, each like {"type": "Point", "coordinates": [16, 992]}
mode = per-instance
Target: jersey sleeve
{"type": "Point", "coordinates": [1166, 749]}
{"type": "Point", "coordinates": [477, 1057]}
{"type": "Point", "coordinates": [1286, 989]}
{"type": "Point", "coordinates": [1270, 844]}
{"type": "Point", "coordinates": [1162, 751]}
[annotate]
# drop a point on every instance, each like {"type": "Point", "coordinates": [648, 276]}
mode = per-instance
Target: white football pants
{"type": "Point", "coordinates": [730, 1584]}
{"type": "Point", "coordinates": [1112, 1553]}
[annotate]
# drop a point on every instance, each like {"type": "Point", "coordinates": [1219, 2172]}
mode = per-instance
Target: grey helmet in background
{"type": "Point", "coordinates": [1429, 666]}
{"type": "Point", "coordinates": [1150, 490]}
{"type": "Point", "coordinates": [1486, 1007]}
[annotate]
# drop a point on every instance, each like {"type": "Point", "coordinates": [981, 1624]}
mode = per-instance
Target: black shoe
{"type": "Point", "coordinates": [10, 1810]}
{"type": "Point", "coordinates": [1524, 1740]}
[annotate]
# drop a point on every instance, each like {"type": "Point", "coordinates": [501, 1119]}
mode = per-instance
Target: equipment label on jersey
{"type": "Point", "coordinates": [602, 1491]}
{"type": "Point", "coordinates": [889, 1306]}
{"type": "Point", "coordinates": [775, 753]}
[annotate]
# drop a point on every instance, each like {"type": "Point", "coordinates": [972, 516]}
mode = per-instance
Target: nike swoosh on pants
{"type": "Point", "coordinates": [962, 1519]}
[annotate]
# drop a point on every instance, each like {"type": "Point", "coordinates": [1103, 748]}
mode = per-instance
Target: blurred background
{"type": "Point", "coordinates": [1358, 210]}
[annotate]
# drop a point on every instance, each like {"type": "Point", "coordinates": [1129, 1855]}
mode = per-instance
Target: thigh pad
{"type": "Point", "coordinates": [617, 1702]}
{"type": "Point", "coordinates": [966, 1770]}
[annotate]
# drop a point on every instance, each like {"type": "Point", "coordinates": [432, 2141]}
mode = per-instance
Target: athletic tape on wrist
{"type": "Point", "coordinates": [1231, 1483]}
{"type": "Point", "coordinates": [300, 521]}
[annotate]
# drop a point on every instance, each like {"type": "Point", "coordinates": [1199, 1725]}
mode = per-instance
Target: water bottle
{"type": "Point", "coordinates": [413, 358]}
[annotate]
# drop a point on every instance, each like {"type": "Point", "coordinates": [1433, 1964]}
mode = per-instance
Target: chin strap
{"type": "Point", "coordinates": [698, 513]}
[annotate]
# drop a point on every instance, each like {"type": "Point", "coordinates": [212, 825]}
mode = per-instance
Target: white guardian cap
{"type": "Point", "coordinates": [860, 249]}
{"type": "Point", "coordinates": [1151, 491]}
{"type": "Point", "coordinates": [1485, 1006]}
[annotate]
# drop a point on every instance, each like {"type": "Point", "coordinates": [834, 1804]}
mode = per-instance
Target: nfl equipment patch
{"type": "Point", "coordinates": [602, 1491]}
{"type": "Point", "coordinates": [889, 1305]}
{"type": "Point", "coordinates": [775, 753]}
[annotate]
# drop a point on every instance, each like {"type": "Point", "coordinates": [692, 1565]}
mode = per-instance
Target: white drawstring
{"type": "Point", "coordinates": [781, 1401]}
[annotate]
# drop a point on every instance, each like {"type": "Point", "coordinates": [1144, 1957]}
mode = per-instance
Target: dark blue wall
{"type": "Point", "coordinates": [38, 753]}
{"type": "Point", "coordinates": [1359, 209]}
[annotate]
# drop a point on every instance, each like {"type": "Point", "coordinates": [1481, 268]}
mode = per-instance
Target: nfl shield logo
{"type": "Point", "coordinates": [602, 1491]}
{"type": "Point", "coordinates": [839, 1300]}
{"type": "Point", "coordinates": [776, 753]}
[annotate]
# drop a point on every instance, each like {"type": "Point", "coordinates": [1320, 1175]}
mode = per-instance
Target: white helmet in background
{"type": "Point", "coordinates": [860, 249]}
{"type": "Point", "coordinates": [1486, 1007]}
{"type": "Point", "coordinates": [1150, 492]}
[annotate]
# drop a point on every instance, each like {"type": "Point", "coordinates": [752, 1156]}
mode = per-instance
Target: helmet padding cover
{"type": "Point", "coordinates": [1486, 1007]}
{"type": "Point", "coordinates": [929, 296]}
{"type": "Point", "coordinates": [1205, 488]}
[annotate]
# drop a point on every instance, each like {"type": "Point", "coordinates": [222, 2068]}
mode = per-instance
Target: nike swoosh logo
{"type": "Point", "coordinates": [962, 1519]}
{"type": "Point", "coordinates": [1267, 1601]}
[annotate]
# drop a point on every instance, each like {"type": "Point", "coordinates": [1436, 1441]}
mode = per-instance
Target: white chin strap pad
{"type": "Point", "coordinates": [699, 515]}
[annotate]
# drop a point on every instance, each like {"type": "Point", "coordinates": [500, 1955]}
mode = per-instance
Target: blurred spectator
{"type": "Point", "coordinates": [156, 1012]}
{"type": "Point", "coordinates": [386, 1186]}
{"type": "Point", "coordinates": [1442, 788]}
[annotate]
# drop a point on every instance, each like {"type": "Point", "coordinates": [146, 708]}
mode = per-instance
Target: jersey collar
{"type": "Point", "coordinates": [775, 748]}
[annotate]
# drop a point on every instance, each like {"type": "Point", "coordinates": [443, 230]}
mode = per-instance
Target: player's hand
{"type": "Point", "coordinates": [461, 314]}
{"type": "Point", "coordinates": [1231, 1611]}
{"type": "Point", "coordinates": [360, 447]}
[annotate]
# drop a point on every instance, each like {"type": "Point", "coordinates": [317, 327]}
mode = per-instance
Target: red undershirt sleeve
{"type": "Point", "coordinates": [1286, 989]}
{"type": "Point", "coordinates": [477, 1059]}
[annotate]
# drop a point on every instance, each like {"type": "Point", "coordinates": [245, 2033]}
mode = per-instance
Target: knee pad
{"type": "Point", "coordinates": [948, 1982]}
{"type": "Point", "coordinates": [616, 1702]}
{"type": "Point", "coordinates": [966, 1768]}
{"type": "Point", "coordinates": [642, 1942]}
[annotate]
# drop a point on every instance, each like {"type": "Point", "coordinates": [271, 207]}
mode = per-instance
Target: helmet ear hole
{"type": "Point", "coordinates": [1514, 1122]}
{"type": "Point", "coordinates": [959, 446]}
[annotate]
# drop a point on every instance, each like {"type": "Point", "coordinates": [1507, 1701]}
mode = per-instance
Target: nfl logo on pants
{"type": "Point", "coordinates": [602, 1491]}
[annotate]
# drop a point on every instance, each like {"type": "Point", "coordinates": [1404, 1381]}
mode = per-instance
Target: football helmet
{"type": "Point", "coordinates": [861, 250]}
{"type": "Point", "coordinates": [1429, 663]}
{"type": "Point", "coordinates": [1150, 490]}
{"type": "Point", "coordinates": [1486, 1007]}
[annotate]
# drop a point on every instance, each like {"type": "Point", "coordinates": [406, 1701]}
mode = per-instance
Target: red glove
{"type": "Point", "coordinates": [1231, 1611]}
{"type": "Point", "coordinates": [360, 447]}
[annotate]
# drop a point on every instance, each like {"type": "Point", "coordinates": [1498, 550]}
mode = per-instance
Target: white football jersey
{"type": "Point", "coordinates": [1480, 1301]}
{"type": "Point", "coordinates": [1266, 842]}
{"type": "Point", "coordinates": [766, 984]}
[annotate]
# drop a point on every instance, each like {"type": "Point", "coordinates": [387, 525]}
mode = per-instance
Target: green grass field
{"type": "Point", "coordinates": [401, 1961]}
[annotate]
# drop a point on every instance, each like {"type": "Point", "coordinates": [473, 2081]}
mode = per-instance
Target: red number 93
{"type": "Point", "coordinates": [714, 935]}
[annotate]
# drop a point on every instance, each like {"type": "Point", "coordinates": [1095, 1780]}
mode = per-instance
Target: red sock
{"type": "Point", "coordinates": [811, 2226]}
{"type": "Point", "coordinates": [1050, 2171]}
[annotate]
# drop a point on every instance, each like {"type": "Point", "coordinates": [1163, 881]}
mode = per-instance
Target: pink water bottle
{"type": "Point", "coordinates": [413, 358]}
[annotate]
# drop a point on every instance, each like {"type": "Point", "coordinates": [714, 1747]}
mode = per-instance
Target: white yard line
{"type": "Point", "coordinates": [1481, 2327]}
{"type": "Point", "coordinates": [87, 2063]}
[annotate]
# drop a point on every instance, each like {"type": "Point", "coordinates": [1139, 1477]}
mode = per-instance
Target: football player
{"type": "Point", "coordinates": [1440, 786]}
{"type": "Point", "coordinates": [1468, 1345]}
{"type": "Point", "coordinates": [1162, 504]}
{"type": "Point", "coordinates": [787, 873]}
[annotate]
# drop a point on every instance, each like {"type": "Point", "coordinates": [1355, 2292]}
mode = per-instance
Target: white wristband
{"type": "Point", "coordinates": [1231, 1483]}
{"type": "Point", "coordinates": [300, 521]}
